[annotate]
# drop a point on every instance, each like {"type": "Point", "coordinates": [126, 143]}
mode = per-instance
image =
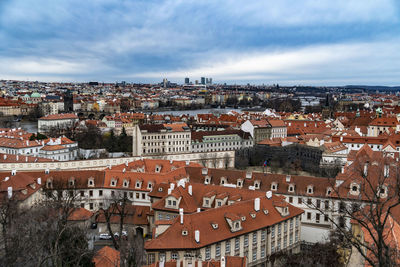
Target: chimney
{"type": "Point", "coordinates": [187, 162]}
{"type": "Point", "coordinates": [257, 204]}
{"type": "Point", "coordinates": [288, 178]}
{"type": "Point", "coordinates": [27, 142]}
{"type": "Point", "coordinates": [5, 156]}
{"type": "Point", "coordinates": [17, 157]}
{"type": "Point", "coordinates": [198, 209]}
{"type": "Point", "coordinates": [269, 194]}
{"type": "Point", "coordinates": [172, 186]}
{"type": "Point", "coordinates": [39, 180]}
{"type": "Point", "coordinates": [181, 215]}
{"type": "Point", "coordinates": [190, 190]}
{"type": "Point", "coordinates": [169, 191]}
{"type": "Point", "coordinates": [197, 236]}
{"type": "Point", "coordinates": [341, 139]}
{"type": "Point", "coordinates": [9, 191]}
{"type": "Point", "coordinates": [366, 169]}
{"type": "Point", "coordinates": [126, 163]}
{"type": "Point", "coordinates": [13, 172]}
{"type": "Point", "coordinates": [124, 170]}
{"type": "Point", "coordinates": [26, 159]}
{"type": "Point", "coordinates": [46, 171]}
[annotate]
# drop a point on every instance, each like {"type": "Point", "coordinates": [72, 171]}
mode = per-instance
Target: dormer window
{"type": "Point", "coordinates": [243, 218]}
{"type": "Point", "coordinates": [257, 184]}
{"type": "Point", "coordinates": [206, 202]}
{"type": "Point", "coordinates": [91, 182]}
{"type": "Point", "coordinates": [237, 225]}
{"type": "Point", "coordinates": [223, 180]}
{"type": "Point", "coordinates": [253, 215]}
{"type": "Point", "coordinates": [71, 182]}
{"type": "Point", "coordinates": [113, 182]}
{"type": "Point", "coordinates": [49, 183]}
{"type": "Point", "coordinates": [207, 180]}
{"type": "Point", "coordinates": [160, 189]}
{"type": "Point", "coordinates": [274, 186]}
{"type": "Point", "coordinates": [328, 191]}
{"type": "Point", "coordinates": [291, 188]}
{"type": "Point", "coordinates": [138, 184]}
{"type": "Point", "coordinates": [214, 225]}
{"type": "Point", "coordinates": [354, 189]}
{"type": "Point", "coordinates": [239, 183]}
{"type": "Point", "coordinates": [310, 189]}
{"type": "Point", "coordinates": [158, 168]}
{"type": "Point", "coordinates": [126, 183]}
{"type": "Point", "coordinates": [184, 232]}
{"type": "Point", "coordinates": [149, 185]}
{"type": "Point", "coordinates": [382, 191]}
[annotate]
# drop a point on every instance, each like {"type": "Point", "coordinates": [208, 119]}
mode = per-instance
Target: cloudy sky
{"type": "Point", "coordinates": [290, 42]}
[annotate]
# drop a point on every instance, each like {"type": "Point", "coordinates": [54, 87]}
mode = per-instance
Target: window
{"type": "Point", "coordinates": [308, 215]}
{"type": "Point", "coordinates": [237, 243]}
{"type": "Point", "coordinates": [290, 199]}
{"type": "Point", "coordinates": [341, 207]}
{"type": "Point", "coordinates": [309, 201]}
{"type": "Point", "coordinates": [326, 204]}
{"type": "Point", "coordinates": [263, 234]}
{"type": "Point", "coordinates": [174, 255]}
{"type": "Point", "coordinates": [318, 203]}
{"type": "Point", "coordinates": [91, 206]}
{"type": "Point", "coordinates": [317, 217]}
{"type": "Point", "coordinates": [82, 193]}
{"type": "Point", "coordinates": [91, 193]}
{"type": "Point", "coordinates": [151, 258]}
{"type": "Point", "coordinates": [326, 218]}
{"type": "Point", "coordinates": [273, 232]}
{"type": "Point", "coordinates": [218, 250]}
{"type": "Point", "coordinates": [227, 247]}
{"type": "Point", "coordinates": [208, 253]}
{"type": "Point", "coordinates": [299, 200]}
{"type": "Point", "coordinates": [262, 252]}
{"type": "Point", "coordinates": [254, 238]}
{"type": "Point", "coordinates": [254, 257]}
{"type": "Point", "coordinates": [291, 224]}
{"type": "Point", "coordinates": [246, 240]}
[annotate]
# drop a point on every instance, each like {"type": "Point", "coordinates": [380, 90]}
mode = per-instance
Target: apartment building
{"type": "Point", "coordinates": [211, 141]}
{"type": "Point", "coordinates": [254, 229]}
{"type": "Point", "coordinates": [58, 121]}
{"type": "Point", "coordinates": [161, 139]}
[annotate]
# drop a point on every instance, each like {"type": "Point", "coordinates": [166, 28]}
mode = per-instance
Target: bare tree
{"type": "Point", "coordinates": [40, 235]}
{"type": "Point", "coordinates": [364, 198]}
{"type": "Point", "coordinates": [226, 160]}
{"type": "Point", "coordinates": [118, 208]}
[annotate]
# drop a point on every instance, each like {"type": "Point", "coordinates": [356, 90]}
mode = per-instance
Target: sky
{"type": "Point", "coordinates": [290, 42]}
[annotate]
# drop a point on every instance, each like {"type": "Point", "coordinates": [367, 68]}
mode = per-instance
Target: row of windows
{"type": "Point", "coordinates": [153, 137]}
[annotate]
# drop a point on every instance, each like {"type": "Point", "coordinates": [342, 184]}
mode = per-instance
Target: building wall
{"type": "Point", "coordinates": [281, 238]}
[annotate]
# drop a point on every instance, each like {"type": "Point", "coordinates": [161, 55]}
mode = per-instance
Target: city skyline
{"type": "Point", "coordinates": [286, 42]}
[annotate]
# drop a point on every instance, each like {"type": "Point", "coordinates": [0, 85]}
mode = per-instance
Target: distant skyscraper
{"type": "Point", "coordinates": [210, 80]}
{"type": "Point", "coordinates": [203, 80]}
{"type": "Point", "coordinates": [165, 82]}
{"type": "Point", "coordinates": [196, 82]}
{"type": "Point", "coordinates": [187, 80]}
{"type": "Point", "coordinates": [207, 81]}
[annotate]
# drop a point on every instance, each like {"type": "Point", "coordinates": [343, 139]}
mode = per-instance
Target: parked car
{"type": "Point", "coordinates": [105, 236]}
{"type": "Point", "coordinates": [124, 235]}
